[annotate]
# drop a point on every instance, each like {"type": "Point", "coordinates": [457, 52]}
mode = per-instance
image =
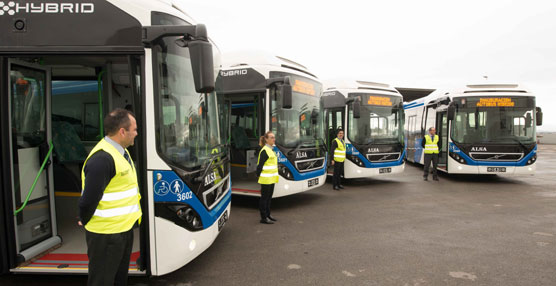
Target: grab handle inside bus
{"type": "Point", "coordinates": [36, 179]}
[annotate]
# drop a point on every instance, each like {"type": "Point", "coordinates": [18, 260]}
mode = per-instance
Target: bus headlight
{"type": "Point", "coordinates": [532, 160]}
{"type": "Point", "coordinates": [285, 172]}
{"type": "Point", "coordinates": [181, 214]}
{"type": "Point", "coordinates": [458, 158]}
{"type": "Point", "coordinates": [356, 160]}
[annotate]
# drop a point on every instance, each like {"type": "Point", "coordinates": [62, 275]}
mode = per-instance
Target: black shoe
{"type": "Point", "coordinates": [435, 178]}
{"type": "Point", "coordinates": [272, 218]}
{"type": "Point", "coordinates": [336, 188]}
{"type": "Point", "coordinates": [340, 186]}
{"type": "Point", "coordinates": [425, 179]}
{"type": "Point", "coordinates": [266, 221]}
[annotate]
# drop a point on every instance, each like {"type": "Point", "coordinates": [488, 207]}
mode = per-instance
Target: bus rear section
{"type": "Point", "coordinates": [483, 128]}
{"type": "Point", "coordinates": [371, 115]}
{"type": "Point", "coordinates": [264, 92]}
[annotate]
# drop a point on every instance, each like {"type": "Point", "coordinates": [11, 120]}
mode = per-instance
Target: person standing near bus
{"type": "Point", "coordinates": [338, 152]}
{"type": "Point", "coordinates": [267, 171]}
{"type": "Point", "coordinates": [431, 144]}
{"type": "Point", "coordinates": [109, 205]}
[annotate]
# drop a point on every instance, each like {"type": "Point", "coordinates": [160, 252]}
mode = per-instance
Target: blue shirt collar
{"type": "Point", "coordinates": [115, 144]}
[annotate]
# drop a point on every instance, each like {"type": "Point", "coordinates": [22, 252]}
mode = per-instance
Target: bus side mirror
{"type": "Point", "coordinates": [356, 105]}
{"type": "Point", "coordinates": [539, 116]}
{"type": "Point", "coordinates": [286, 92]}
{"type": "Point", "coordinates": [451, 112]}
{"type": "Point", "coordinates": [202, 65]}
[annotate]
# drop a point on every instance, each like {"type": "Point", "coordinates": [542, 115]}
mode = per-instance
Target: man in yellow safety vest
{"type": "Point", "coordinates": [109, 206]}
{"type": "Point", "coordinates": [338, 153]}
{"type": "Point", "coordinates": [431, 143]}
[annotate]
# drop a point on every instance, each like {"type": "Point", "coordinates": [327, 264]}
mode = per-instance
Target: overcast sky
{"type": "Point", "coordinates": [422, 43]}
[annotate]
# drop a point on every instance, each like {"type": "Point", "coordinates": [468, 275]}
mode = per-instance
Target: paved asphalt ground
{"type": "Point", "coordinates": [397, 230]}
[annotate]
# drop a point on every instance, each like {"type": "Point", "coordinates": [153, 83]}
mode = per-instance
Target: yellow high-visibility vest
{"type": "Point", "coordinates": [431, 145]}
{"type": "Point", "coordinates": [269, 175]}
{"type": "Point", "coordinates": [340, 151]}
{"type": "Point", "coordinates": [119, 207]}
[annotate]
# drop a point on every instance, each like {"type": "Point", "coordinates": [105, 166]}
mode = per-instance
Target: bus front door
{"type": "Point", "coordinates": [334, 120]}
{"type": "Point", "coordinates": [30, 158]}
{"type": "Point", "coordinates": [442, 131]}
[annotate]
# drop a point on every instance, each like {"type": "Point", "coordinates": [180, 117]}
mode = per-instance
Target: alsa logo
{"type": "Point", "coordinates": [300, 155]}
{"type": "Point", "coordinates": [373, 150]}
{"type": "Point", "coordinates": [233, 72]}
{"type": "Point", "coordinates": [11, 8]}
{"type": "Point", "coordinates": [210, 178]}
{"type": "Point", "coordinates": [478, 149]}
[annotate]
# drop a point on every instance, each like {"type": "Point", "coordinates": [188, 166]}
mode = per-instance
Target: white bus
{"type": "Point", "coordinates": [483, 128]}
{"type": "Point", "coordinates": [371, 115]}
{"type": "Point", "coordinates": [63, 66]}
{"type": "Point", "coordinates": [267, 92]}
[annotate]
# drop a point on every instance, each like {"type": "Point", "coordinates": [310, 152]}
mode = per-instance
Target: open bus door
{"type": "Point", "coordinates": [442, 132]}
{"type": "Point", "coordinates": [30, 192]}
{"type": "Point", "coordinates": [334, 119]}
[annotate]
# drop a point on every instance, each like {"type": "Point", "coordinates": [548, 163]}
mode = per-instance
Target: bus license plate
{"type": "Point", "coordinates": [222, 220]}
{"type": "Point", "coordinates": [384, 170]}
{"type": "Point", "coordinates": [313, 182]}
{"type": "Point", "coordinates": [496, 169]}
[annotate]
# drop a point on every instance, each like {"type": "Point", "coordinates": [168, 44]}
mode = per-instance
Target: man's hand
{"type": "Point", "coordinates": [332, 162]}
{"type": "Point", "coordinates": [79, 223]}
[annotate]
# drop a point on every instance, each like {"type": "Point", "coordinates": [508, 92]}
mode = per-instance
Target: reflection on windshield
{"type": "Point", "coordinates": [377, 125]}
{"type": "Point", "coordinates": [303, 123]}
{"type": "Point", "coordinates": [187, 131]}
{"type": "Point", "coordinates": [496, 125]}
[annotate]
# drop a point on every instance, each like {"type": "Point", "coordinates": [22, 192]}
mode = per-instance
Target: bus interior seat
{"type": "Point", "coordinates": [70, 154]}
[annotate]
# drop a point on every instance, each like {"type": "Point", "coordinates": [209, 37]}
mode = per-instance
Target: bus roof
{"type": "Point", "coordinates": [94, 25]}
{"type": "Point", "coordinates": [241, 59]}
{"type": "Point", "coordinates": [360, 86]}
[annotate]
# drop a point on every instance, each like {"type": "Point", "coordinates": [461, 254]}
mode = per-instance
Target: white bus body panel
{"type": "Point", "coordinates": [352, 171]}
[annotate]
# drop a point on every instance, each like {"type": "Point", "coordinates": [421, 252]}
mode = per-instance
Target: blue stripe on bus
{"type": "Point", "coordinates": [368, 164]}
{"type": "Point", "coordinates": [412, 105]}
{"type": "Point", "coordinates": [297, 176]}
{"type": "Point", "coordinates": [71, 87]}
{"type": "Point", "coordinates": [471, 162]}
{"type": "Point", "coordinates": [240, 105]}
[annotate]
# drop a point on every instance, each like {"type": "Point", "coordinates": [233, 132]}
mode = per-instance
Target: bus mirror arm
{"type": "Point", "coordinates": [200, 49]}
{"type": "Point", "coordinates": [539, 116]}
{"type": "Point", "coordinates": [451, 112]}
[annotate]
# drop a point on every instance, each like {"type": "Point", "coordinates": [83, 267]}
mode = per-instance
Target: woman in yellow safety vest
{"type": "Point", "coordinates": [267, 171]}
{"type": "Point", "coordinates": [338, 153]}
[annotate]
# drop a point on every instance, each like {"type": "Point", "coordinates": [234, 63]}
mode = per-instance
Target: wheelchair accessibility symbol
{"type": "Point", "coordinates": [161, 188]}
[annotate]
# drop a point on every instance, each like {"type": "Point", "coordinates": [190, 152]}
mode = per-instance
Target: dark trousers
{"type": "Point", "coordinates": [264, 203]}
{"type": "Point", "coordinates": [109, 256]}
{"type": "Point", "coordinates": [428, 159]}
{"type": "Point", "coordinates": [338, 171]}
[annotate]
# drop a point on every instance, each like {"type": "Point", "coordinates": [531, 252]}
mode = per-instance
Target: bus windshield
{"type": "Point", "coordinates": [302, 125]}
{"type": "Point", "coordinates": [494, 120]}
{"type": "Point", "coordinates": [381, 120]}
{"type": "Point", "coordinates": [187, 130]}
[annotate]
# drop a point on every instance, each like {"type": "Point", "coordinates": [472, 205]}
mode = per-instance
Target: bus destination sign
{"type": "Point", "coordinates": [379, 100]}
{"type": "Point", "coordinates": [495, 102]}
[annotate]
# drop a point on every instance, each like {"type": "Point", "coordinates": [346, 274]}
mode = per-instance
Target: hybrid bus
{"type": "Point", "coordinates": [372, 117]}
{"type": "Point", "coordinates": [483, 128]}
{"type": "Point", "coordinates": [63, 66]}
{"type": "Point", "coordinates": [265, 92]}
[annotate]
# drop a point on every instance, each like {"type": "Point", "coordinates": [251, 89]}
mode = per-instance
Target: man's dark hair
{"type": "Point", "coordinates": [118, 118]}
{"type": "Point", "coordinates": [338, 130]}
